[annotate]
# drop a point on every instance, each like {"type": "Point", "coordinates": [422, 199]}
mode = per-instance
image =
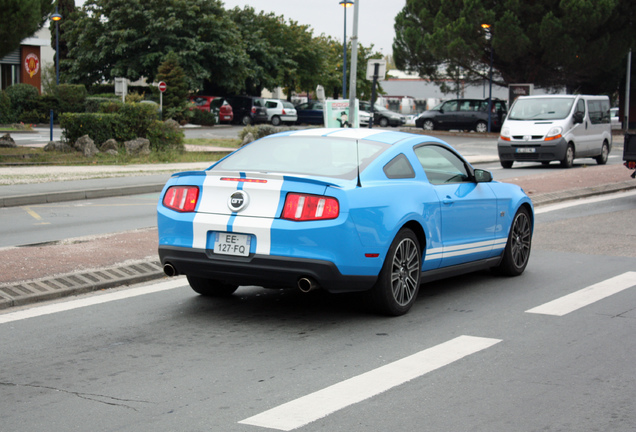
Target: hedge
{"type": "Point", "coordinates": [99, 127]}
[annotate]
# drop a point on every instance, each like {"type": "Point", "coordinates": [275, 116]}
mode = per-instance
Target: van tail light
{"type": "Point", "coordinates": [303, 207]}
{"type": "Point", "coordinates": [181, 198]}
{"type": "Point", "coordinates": [284, 113]}
{"type": "Point", "coordinates": [253, 110]}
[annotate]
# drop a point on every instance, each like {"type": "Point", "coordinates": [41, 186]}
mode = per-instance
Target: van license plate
{"type": "Point", "coordinates": [232, 244]}
{"type": "Point", "coordinates": [526, 150]}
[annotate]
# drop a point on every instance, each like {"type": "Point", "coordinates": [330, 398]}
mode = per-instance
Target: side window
{"type": "Point", "coordinates": [580, 107]}
{"type": "Point", "coordinates": [441, 165]}
{"type": "Point", "coordinates": [599, 111]}
{"type": "Point", "coordinates": [450, 106]}
{"type": "Point", "coordinates": [303, 106]}
{"type": "Point", "coordinates": [270, 104]}
{"type": "Point", "coordinates": [399, 168]}
{"type": "Point", "coordinates": [465, 106]}
{"type": "Point", "coordinates": [318, 106]}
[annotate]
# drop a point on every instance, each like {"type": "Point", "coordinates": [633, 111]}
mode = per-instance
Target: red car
{"type": "Point", "coordinates": [215, 104]}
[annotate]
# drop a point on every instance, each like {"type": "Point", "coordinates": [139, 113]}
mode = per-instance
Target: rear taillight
{"type": "Point", "coordinates": [284, 113]}
{"type": "Point", "coordinates": [303, 207]}
{"type": "Point", "coordinates": [181, 198]}
{"type": "Point", "coordinates": [253, 110]}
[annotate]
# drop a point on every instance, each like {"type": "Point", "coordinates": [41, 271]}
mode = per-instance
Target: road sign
{"type": "Point", "coordinates": [381, 63]}
{"type": "Point", "coordinates": [162, 86]}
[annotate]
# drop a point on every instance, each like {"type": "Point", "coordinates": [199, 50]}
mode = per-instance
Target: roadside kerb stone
{"type": "Point", "coordinates": [50, 288]}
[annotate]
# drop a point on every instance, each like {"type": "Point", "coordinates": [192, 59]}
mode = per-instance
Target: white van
{"type": "Point", "coordinates": [556, 128]}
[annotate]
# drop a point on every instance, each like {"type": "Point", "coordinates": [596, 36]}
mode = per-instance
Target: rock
{"type": "Point", "coordinates": [58, 146]}
{"type": "Point", "coordinates": [7, 141]}
{"type": "Point", "coordinates": [110, 144]}
{"type": "Point", "coordinates": [86, 145]}
{"type": "Point", "coordinates": [138, 147]}
{"type": "Point", "coordinates": [249, 137]}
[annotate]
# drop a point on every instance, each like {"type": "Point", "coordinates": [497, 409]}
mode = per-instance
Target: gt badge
{"type": "Point", "coordinates": [238, 201]}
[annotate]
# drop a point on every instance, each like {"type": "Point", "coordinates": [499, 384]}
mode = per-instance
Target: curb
{"type": "Point", "coordinates": [74, 195]}
{"type": "Point", "coordinates": [55, 287]}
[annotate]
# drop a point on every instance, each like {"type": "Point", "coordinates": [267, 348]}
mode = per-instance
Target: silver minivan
{"type": "Point", "coordinates": [556, 128]}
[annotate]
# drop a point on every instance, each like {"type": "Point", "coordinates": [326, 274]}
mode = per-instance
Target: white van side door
{"type": "Point", "coordinates": [580, 132]}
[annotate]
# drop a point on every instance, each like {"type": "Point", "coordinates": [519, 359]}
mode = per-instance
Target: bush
{"type": "Point", "coordinates": [99, 126]}
{"type": "Point", "coordinates": [203, 118]}
{"type": "Point", "coordinates": [135, 120]}
{"type": "Point", "coordinates": [93, 104]}
{"type": "Point", "coordinates": [165, 136]}
{"type": "Point", "coordinates": [71, 97]}
{"type": "Point", "coordinates": [260, 131]}
{"type": "Point", "coordinates": [21, 96]}
{"type": "Point", "coordinates": [6, 113]}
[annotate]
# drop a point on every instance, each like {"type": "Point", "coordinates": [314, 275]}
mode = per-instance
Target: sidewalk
{"type": "Point", "coordinates": [80, 265]}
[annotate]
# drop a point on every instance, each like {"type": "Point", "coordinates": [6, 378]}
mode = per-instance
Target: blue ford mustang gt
{"type": "Point", "coordinates": [343, 210]}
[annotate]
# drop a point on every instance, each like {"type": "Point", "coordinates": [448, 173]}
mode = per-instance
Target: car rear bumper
{"type": "Point", "coordinates": [261, 270]}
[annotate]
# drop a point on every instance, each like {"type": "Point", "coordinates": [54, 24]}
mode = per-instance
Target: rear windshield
{"type": "Point", "coordinates": [314, 156]}
{"type": "Point", "coordinates": [541, 108]}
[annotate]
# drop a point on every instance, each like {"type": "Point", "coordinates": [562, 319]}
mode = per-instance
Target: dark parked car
{"type": "Point", "coordinates": [310, 113]}
{"type": "Point", "coordinates": [463, 114]}
{"type": "Point", "coordinates": [383, 116]}
{"type": "Point", "coordinates": [248, 109]}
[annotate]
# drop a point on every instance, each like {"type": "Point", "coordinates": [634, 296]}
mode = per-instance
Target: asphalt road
{"type": "Point", "coordinates": [476, 353]}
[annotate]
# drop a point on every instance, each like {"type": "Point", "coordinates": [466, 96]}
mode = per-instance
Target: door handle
{"type": "Point", "coordinates": [448, 200]}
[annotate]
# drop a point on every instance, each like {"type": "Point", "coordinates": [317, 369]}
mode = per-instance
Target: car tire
{"type": "Point", "coordinates": [384, 122]}
{"type": "Point", "coordinates": [246, 120]}
{"type": "Point", "coordinates": [397, 286]}
{"type": "Point", "coordinates": [481, 127]}
{"type": "Point", "coordinates": [517, 252]}
{"type": "Point", "coordinates": [602, 158]}
{"type": "Point", "coordinates": [211, 287]}
{"type": "Point", "coordinates": [506, 164]}
{"type": "Point", "coordinates": [568, 159]}
{"type": "Point", "coordinates": [428, 125]}
{"type": "Point", "coordinates": [276, 121]}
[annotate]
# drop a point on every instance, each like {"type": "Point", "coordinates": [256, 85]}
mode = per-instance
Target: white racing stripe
{"type": "Point", "coordinates": [317, 405]}
{"type": "Point", "coordinates": [586, 296]}
{"type": "Point", "coordinates": [90, 301]}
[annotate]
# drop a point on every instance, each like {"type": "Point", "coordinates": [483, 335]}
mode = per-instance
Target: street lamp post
{"type": "Point", "coordinates": [56, 17]}
{"type": "Point", "coordinates": [489, 36]}
{"type": "Point", "coordinates": [345, 4]}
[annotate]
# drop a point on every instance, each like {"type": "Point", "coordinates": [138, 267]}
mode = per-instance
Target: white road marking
{"type": "Point", "coordinates": [314, 406]}
{"type": "Point", "coordinates": [577, 202]}
{"type": "Point", "coordinates": [90, 301]}
{"type": "Point", "coordinates": [586, 296]}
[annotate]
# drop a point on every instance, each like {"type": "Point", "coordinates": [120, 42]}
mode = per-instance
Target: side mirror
{"type": "Point", "coordinates": [578, 117]}
{"type": "Point", "coordinates": [483, 176]}
{"type": "Point", "coordinates": [441, 110]}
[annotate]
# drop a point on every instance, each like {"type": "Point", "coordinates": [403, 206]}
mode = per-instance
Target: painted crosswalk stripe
{"type": "Point", "coordinates": [586, 296]}
{"type": "Point", "coordinates": [314, 406]}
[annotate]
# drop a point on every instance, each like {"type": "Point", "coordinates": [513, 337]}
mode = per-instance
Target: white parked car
{"type": "Point", "coordinates": [280, 112]}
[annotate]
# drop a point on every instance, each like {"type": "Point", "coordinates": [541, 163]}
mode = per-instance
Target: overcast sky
{"type": "Point", "coordinates": [375, 24]}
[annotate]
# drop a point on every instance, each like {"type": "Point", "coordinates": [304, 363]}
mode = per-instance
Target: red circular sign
{"type": "Point", "coordinates": [162, 86]}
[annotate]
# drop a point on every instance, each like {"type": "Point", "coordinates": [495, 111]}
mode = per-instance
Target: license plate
{"type": "Point", "coordinates": [232, 244]}
{"type": "Point", "coordinates": [526, 150]}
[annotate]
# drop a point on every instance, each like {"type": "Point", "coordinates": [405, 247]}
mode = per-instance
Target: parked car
{"type": "Point", "coordinates": [383, 116]}
{"type": "Point", "coordinates": [310, 112]}
{"type": "Point", "coordinates": [248, 109]}
{"type": "Point", "coordinates": [345, 210]}
{"type": "Point", "coordinates": [280, 112]}
{"type": "Point", "coordinates": [463, 114]}
{"type": "Point", "coordinates": [214, 104]}
{"type": "Point", "coordinates": [615, 119]}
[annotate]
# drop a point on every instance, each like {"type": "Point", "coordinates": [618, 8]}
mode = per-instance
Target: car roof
{"type": "Point", "coordinates": [379, 135]}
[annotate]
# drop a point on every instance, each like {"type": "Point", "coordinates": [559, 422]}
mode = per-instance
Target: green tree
{"type": "Point", "coordinates": [21, 19]}
{"type": "Point", "coordinates": [573, 43]}
{"type": "Point", "coordinates": [176, 94]}
{"type": "Point", "coordinates": [129, 38]}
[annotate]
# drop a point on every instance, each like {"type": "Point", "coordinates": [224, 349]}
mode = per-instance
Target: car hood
{"type": "Point", "coordinates": [530, 127]}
